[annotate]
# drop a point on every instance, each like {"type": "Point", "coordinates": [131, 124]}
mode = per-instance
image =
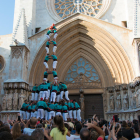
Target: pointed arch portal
{"type": "Point", "coordinates": [78, 37]}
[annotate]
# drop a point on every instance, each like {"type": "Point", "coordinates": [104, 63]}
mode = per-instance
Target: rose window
{"type": "Point", "coordinates": [82, 66]}
{"type": "Point", "coordinates": [65, 8]}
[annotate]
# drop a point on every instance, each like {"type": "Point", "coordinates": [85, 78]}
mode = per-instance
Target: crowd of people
{"type": "Point", "coordinates": [58, 129]}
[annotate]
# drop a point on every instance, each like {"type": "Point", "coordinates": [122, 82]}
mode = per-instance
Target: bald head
{"type": "Point", "coordinates": [84, 134]}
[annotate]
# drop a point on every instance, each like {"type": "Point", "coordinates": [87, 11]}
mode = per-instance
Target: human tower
{"type": "Point", "coordinates": [47, 98]}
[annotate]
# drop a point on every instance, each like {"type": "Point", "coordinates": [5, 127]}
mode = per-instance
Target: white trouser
{"type": "Point", "coordinates": [42, 94]}
{"type": "Point", "coordinates": [70, 114]}
{"type": "Point", "coordinates": [74, 114]}
{"type": "Point", "coordinates": [58, 98]}
{"type": "Point", "coordinates": [66, 95]}
{"type": "Point", "coordinates": [47, 50]}
{"type": "Point", "coordinates": [46, 115]}
{"type": "Point", "coordinates": [54, 64]}
{"type": "Point", "coordinates": [32, 114]}
{"type": "Point", "coordinates": [27, 115]}
{"type": "Point", "coordinates": [58, 113]}
{"type": "Point", "coordinates": [54, 49]}
{"type": "Point", "coordinates": [48, 37]}
{"type": "Point", "coordinates": [55, 35]}
{"type": "Point", "coordinates": [78, 114]}
{"type": "Point", "coordinates": [46, 65]}
{"type": "Point", "coordinates": [65, 116]}
{"type": "Point", "coordinates": [40, 113]}
{"type": "Point", "coordinates": [51, 114]}
{"type": "Point", "coordinates": [35, 114]}
{"type": "Point", "coordinates": [36, 96]}
{"type": "Point", "coordinates": [61, 94]}
{"type": "Point", "coordinates": [23, 115]}
{"type": "Point", "coordinates": [53, 96]}
{"type": "Point", "coordinates": [47, 95]}
{"type": "Point", "coordinates": [33, 97]}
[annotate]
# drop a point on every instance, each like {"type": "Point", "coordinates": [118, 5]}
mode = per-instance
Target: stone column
{"type": "Point", "coordinates": [82, 104]}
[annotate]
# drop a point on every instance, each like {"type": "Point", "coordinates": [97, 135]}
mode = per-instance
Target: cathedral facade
{"type": "Point", "coordinates": [98, 49]}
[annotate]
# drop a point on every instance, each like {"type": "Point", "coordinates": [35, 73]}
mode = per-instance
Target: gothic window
{"type": "Point", "coordinates": [82, 66]}
{"type": "Point", "coordinates": [65, 8]}
{"type": "Point", "coordinates": [1, 63]}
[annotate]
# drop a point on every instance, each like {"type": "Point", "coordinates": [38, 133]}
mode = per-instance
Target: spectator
{"type": "Point", "coordinates": [38, 134]}
{"type": "Point", "coordinates": [69, 130]}
{"type": "Point", "coordinates": [16, 131]}
{"type": "Point", "coordinates": [84, 134]}
{"type": "Point", "coordinates": [5, 128]}
{"type": "Point", "coordinates": [77, 134]}
{"type": "Point", "coordinates": [32, 123]}
{"type": "Point", "coordinates": [26, 137]}
{"type": "Point", "coordinates": [60, 131]}
{"type": "Point", "coordinates": [39, 125]}
{"type": "Point", "coordinates": [6, 136]}
{"type": "Point", "coordinates": [1, 124]}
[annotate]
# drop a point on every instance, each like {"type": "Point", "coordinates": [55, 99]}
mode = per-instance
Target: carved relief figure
{"type": "Point", "coordinates": [15, 100]}
{"type": "Point", "coordinates": [125, 101]}
{"type": "Point", "coordinates": [134, 99]}
{"type": "Point", "coordinates": [138, 96]}
{"type": "Point", "coordinates": [9, 102]}
{"type": "Point", "coordinates": [111, 102]}
{"type": "Point", "coordinates": [118, 101]}
{"type": "Point", "coordinates": [4, 102]}
{"type": "Point", "coordinates": [21, 100]}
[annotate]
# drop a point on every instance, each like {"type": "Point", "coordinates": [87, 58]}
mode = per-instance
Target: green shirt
{"type": "Point", "coordinates": [54, 43]}
{"type": "Point", "coordinates": [29, 107]}
{"type": "Point", "coordinates": [42, 104]}
{"type": "Point", "coordinates": [72, 105]}
{"type": "Point", "coordinates": [60, 86]}
{"type": "Point", "coordinates": [39, 88]}
{"type": "Point", "coordinates": [34, 88]}
{"type": "Point", "coordinates": [59, 107]}
{"type": "Point", "coordinates": [24, 105]}
{"type": "Point", "coordinates": [46, 73]}
{"type": "Point", "coordinates": [55, 88]}
{"type": "Point", "coordinates": [64, 107]}
{"type": "Point", "coordinates": [69, 104]}
{"type": "Point", "coordinates": [52, 106]}
{"type": "Point", "coordinates": [47, 58]}
{"type": "Point", "coordinates": [77, 105]}
{"type": "Point", "coordinates": [33, 106]}
{"type": "Point", "coordinates": [64, 86]}
{"type": "Point", "coordinates": [54, 73]}
{"type": "Point", "coordinates": [48, 43]}
{"type": "Point", "coordinates": [54, 57]}
{"type": "Point", "coordinates": [49, 32]}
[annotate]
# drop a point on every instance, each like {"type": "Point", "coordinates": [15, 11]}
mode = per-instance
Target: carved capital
{"type": "Point", "coordinates": [124, 86]}
{"type": "Point", "coordinates": [110, 89]}
{"type": "Point", "coordinates": [117, 88]}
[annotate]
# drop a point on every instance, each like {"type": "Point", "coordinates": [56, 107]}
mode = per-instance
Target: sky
{"type": "Point", "coordinates": [6, 16]}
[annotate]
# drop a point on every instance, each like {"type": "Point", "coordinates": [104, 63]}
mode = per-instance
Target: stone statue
{"type": "Point", "coordinates": [15, 100]}
{"type": "Point", "coordinates": [9, 102]}
{"type": "Point", "coordinates": [138, 96]}
{"type": "Point", "coordinates": [111, 103]}
{"type": "Point", "coordinates": [21, 100]}
{"type": "Point", "coordinates": [4, 102]}
{"type": "Point", "coordinates": [134, 99]}
{"type": "Point", "coordinates": [125, 101]}
{"type": "Point", "coordinates": [118, 102]}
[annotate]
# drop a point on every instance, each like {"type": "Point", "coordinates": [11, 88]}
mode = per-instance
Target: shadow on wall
{"type": "Point", "coordinates": [109, 12]}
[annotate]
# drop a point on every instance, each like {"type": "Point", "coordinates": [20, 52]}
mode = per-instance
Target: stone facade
{"type": "Point", "coordinates": [107, 38]}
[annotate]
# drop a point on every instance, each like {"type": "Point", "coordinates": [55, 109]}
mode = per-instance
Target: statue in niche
{"type": "Point", "coordinates": [111, 102]}
{"type": "Point", "coordinates": [9, 102]}
{"type": "Point", "coordinates": [4, 102]}
{"type": "Point", "coordinates": [15, 100]}
{"type": "Point", "coordinates": [125, 101]}
{"type": "Point", "coordinates": [138, 96]}
{"type": "Point", "coordinates": [134, 99]}
{"type": "Point", "coordinates": [118, 98]}
{"type": "Point", "coordinates": [21, 100]}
